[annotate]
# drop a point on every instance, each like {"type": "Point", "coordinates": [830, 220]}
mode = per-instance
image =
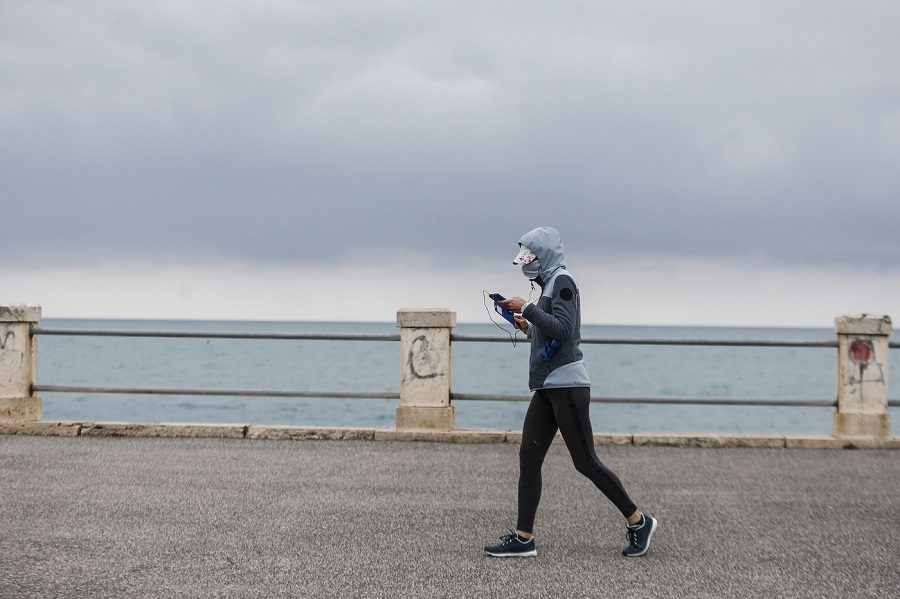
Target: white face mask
{"type": "Point", "coordinates": [531, 270]}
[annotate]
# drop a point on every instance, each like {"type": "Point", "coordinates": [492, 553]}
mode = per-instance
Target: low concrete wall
{"type": "Point", "coordinates": [425, 412]}
{"type": "Point", "coordinates": [247, 431]}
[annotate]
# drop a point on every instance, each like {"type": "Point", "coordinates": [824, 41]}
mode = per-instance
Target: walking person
{"type": "Point", "coordinates": [561, 399]}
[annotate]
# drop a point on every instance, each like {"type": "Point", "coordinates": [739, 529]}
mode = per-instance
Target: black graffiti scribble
{"type": "Point", "coordinates": [4, 339]}
{"type": "Point", "coordinates": [11, 359]}
{"type": "Point", "coordinates": [426, 351]}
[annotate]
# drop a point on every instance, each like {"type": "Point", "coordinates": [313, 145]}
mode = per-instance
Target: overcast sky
{"type": "Point", "coordinates": [708, 162]}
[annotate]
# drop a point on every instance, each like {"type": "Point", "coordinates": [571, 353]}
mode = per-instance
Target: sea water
{"type": "Point", "coordinates": [488, 368]}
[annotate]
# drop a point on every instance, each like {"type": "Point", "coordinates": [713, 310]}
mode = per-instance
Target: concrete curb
{"type": "Point", "coordinates": [308, 432]}
{"type": "Point", "coordinates": [710, 440]}
{"type": "Point", "coordinates": [132, 429]}
{"type": "Point", "coordinates": [42, 428]}
{"type": "Point", "coordinates": [244, 431]}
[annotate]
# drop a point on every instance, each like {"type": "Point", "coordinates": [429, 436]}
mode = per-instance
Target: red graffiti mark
{"type": "Point", "coordinates": [861, 351]}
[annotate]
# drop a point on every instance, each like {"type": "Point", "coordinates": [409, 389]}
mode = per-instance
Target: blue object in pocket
{"type": "Point", "coordinates": [549, 350]}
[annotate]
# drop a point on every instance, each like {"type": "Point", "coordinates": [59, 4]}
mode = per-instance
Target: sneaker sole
{"type": "Point", "coordinates": [532, 553]}
{"type": "Point", "coordinates": [649, 538]}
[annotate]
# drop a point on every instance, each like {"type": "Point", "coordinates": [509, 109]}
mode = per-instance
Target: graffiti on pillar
{"type": "Point", "coordinates": [862, 355]}
{"type": "Point", "coordinates": [5, 337]}
{"type": "Point", "coordinates": [11, 357]}
{"type": "Point", "coordinates": [423, 359]}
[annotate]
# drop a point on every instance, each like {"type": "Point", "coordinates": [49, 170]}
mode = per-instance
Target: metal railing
{"type": "Point", "coordinates": [684, 342]}
{"type": "Point", "coordinates": [691, 401]}
{"type": "Point", "coordinates": [702, 401]}
{"type": "Point", "coordinates": [213, 335]}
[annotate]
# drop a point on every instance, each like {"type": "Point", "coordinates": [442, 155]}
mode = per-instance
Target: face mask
{"type": "Point", "coordinates": [531, 270]}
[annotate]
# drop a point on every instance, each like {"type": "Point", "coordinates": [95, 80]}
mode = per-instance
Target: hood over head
{"type": "Point", "coordinates": [547, 245]}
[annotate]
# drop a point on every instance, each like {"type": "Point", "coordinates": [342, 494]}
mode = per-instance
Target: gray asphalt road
{"type": "Point", "coordinates": [93, 517]}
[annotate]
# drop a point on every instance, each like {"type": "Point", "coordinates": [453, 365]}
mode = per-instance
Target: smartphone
{"type": "Point", "coordinates": [501, 310]}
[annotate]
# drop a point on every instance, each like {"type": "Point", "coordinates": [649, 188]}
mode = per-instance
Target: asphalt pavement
{"type": "Point", "coordinates": [118, 517]}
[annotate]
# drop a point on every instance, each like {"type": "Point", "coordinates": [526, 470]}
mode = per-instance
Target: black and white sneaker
{"type": "Point", "coordinates": [639, 536]}
{"type": "Point", "coordinates": [512, 545]}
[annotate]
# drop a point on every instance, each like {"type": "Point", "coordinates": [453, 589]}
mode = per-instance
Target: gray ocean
{"type": "Point", "coordinates": [496, 368]}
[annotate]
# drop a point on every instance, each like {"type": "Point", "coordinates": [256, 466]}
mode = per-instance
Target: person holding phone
{"type": "Point", "coordinates": [562, 396]}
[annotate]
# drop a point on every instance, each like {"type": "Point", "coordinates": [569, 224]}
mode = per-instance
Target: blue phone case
{"type": "Point", "coordinates": [501, 310]}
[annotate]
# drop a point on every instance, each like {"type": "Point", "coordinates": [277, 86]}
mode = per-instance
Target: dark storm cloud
{"type": "Point", "coordinates": [304, 131]}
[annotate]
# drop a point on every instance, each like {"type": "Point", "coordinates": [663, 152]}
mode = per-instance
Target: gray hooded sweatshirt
{"type": "Point", "coordinates": [555, 319]}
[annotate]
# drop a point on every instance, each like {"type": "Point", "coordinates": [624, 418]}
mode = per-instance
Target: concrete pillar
{"type": "Point", "coordinates": [862, 385]}
{"type": "Point", "coordinates": [425, 369]}
{"type": "Point", "coordinates": [18, 366]}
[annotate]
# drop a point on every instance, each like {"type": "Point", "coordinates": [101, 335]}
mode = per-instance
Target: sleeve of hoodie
{"type": "Point", "coordinates": [560, 322]}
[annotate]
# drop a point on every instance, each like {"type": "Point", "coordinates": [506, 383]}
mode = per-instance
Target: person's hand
{"type": "Point", "coordinates": [521, 323]}
{"type": "Point", "coordinates": [513, 304]}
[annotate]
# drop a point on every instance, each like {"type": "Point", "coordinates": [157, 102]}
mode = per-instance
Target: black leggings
{"type": "Point", "coordinates": [565, 409]}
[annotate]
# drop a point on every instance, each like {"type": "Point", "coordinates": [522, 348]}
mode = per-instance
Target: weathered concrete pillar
{"type": "Point", "coordinates": [862, 385]}
{"type": "Point", "coordinates": [425, 369]}
{"type": "Point", "coordinates": [18, 366]}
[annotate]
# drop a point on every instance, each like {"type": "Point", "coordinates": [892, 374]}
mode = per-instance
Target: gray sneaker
{"type": "Point", "coordinates": [512, 545]}
{"type": "Point", "coordinates": [639, 536]}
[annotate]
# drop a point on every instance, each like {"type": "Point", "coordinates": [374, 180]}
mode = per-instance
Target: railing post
{"type": "Point", "coordinates": [425, 369]}
{"type": "Point", "coordinates": [18, 365]}
{"type": "Point", "coordinates": [862, 376]}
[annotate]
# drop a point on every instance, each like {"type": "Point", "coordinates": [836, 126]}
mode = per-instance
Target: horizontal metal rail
{"type": "Point", "coordinates": [214, 392]}
{"type": "Point", "coordinates": [697, 401]}
{"type": "Point", "coordinates": [689, 401]}
{"type": "Point", "coordinates": [396, 338]}
{"type": "Point", "coordinates": [214, 335]}
{"type": "Point", "coordinates": [685, 342]}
